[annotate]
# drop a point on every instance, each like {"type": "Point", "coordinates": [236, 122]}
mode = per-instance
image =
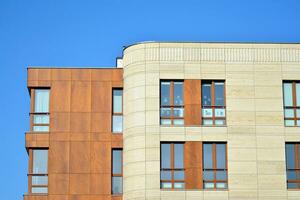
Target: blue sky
{"type": "Point", "coordinates": [92, 33]}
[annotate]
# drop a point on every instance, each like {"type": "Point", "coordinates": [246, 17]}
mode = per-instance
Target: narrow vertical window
{"type": "Point", "coordinates": [214, 166]}
{"type": "Point", "coordinates": [292, 154]}
{"type": "Point", "coordinates": [38, 176]}
{"type": "Point", "coordinates": [172, 166]}
{"type": "Point", "coordinates": [117, 117]}
{"type": "Point", "coordinates": [291, 99]}
{"type": "Point", "coordinates": [213, 103]}
{"type": "Point", "coordinates": [117, 172]}
{"type": "Point", "coordinates": [171, 103]}
{"type": "Point", "coordinates": [40, 115]}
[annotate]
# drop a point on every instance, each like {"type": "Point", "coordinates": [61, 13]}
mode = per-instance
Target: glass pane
{"type": "Point", "coordinates": [298, 122]}
{"type": "Point", "coordinates": [208, 175]}
{"type": "Point", "coordinates": [165, 93]}
{"type": "Point", "coordinates": [219, 93]}
{"type": "Point", "coordinates": [117, 123]}
{"type": "Point", "coordinates": [166, 185]}
{"type": "Point", "coordinates": [207, 122]}
{"type": "Point", "coordinates": [41, 119]}
{"type": "Point", "coordinates": [165, 175]}
{"type": "Point", "coordinates": [207, 112]}
{"type": "Point", "coordinates": [39, 190]}
{"type": "Point", "coordinates": [221, 154]}
{"type": "Point", "coordinates": [178, 156]}
{"type": "Point", "coordinates": [179, 185]}
{"type": "Point", "coordinates": [287, 92]}
{"type": "Point", "coordinates": [221, 175]}
{"type": "Point", "coordinates": [221, 185]}
{"type": "Point", "coordinates": [289, 122]}
{"type": "Point", "coordinates": [298, 94]}
{"type": "Point", "coordinates": [290, 156]}
{"type": "Point", "coordinates": [117, 161]}
{"type": "Point", "coordinates": [117, 185]}
{"type": "Point", "coordinates": [209, 185]}
{"type": "Point", "coordinates": [291, 175]}
{"type": "Point", "coordinates": [165, 156]}
{"type": "Point", "coordinates": [40, 128]}
{"type": "Point", "coordinates": [289, 113]}
{"type": "Point", "coordinates": [298, 113]}
{"type": "Point", "coordinates": [220, 112]}
{"type": "Point", "coordinates": [39, 180]}
{"type": "Point", "coordinates": [40, 161]}
{"type": "Point", "coordinates": [178, 121]}
{"type": "Point", "coordinates": [178, 175]}
{"type": "Point", "coordinates": [206, 94]}
{"type": "Point", "coordinates": [220, 122]}
{"type": "Point", "coordinates": [117, 101]}
{"type": "Point", "coordinates": [178, 112]}
{"type": "Point", "coordinates": [178, 88]}
{"type": "Point", "coordinates": [292, 185]}
{"type": "Point", "coordinates": [165, 112]}
{"type": "Point", "coordinates": [165, 122]}
{"type": "Point", "coordinates": [41, 101]}
{"type": "Point", "coordinates": [207, 156]}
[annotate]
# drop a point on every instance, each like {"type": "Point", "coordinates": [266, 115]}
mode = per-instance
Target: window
{"type": "Point", "coordinates": [117, 171]}
{"type": "Point", "coordinates": [117, 117]}
{"type": "Point", "coordinates": [291, 95]}
{"type": "Point", "coordinates": [213, 103]}
{"type": "Point", "coordinates": [38, 176]}
{"type": "Point", "coordinates": [172, 166]}
{"type": "Point", "coordinates": [292, 153]}
{"type": "Point", "coordinates": [40, 115]}
{"type": "Point", "coordinates": [214, 166]}
{"type": "Point", "coordinates": [171, 103]}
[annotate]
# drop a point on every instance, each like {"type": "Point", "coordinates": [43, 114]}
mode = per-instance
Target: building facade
{"type": "Point", "coordinates": [211, 121]}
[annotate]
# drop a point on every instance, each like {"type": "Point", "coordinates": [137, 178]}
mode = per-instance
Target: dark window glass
{"type": "Point", "coordinates": [207, 156]}
{"type": "Point", "coordinates": [165, 93]}
{"type": "Point", "coordinates": [172, 166]}
{"type": "Point", "coordinates": [171, 103]}
{"type": "Point", "coordinates": [165, 156]}
{"type": "Point", "coordinates": [117, 172]}
{"type": "Point", "coordinates": [213, 103]}
{"type": "Point", "coordinates": [117, 116]}
{"type": "Point", "coordinates": [178, 156]}
{"type": "Point", "coordinates": [206, 94]}
{"type": "Point", "coordinates": [219, 93]}
{"type": "Point", "coordinates": [292, 152]}
{"type": "Point", "coordinates": [214, 166]}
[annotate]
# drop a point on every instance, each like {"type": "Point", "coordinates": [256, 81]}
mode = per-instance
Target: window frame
{"type": "Point", "coordinates": [214, 168]}
{"type": "Point", "coordinates": [296, 168]}
{"type": "Point", "coordinates": [213, 106]}
{"type": "Point", "coordinates": [294, 106]}
{"type": "Point", "coordinates": [116, 175]}
{"type": "Point", "coordinates": [116, 114]}
{"type": "Point", "coordinates": [31, 174]}
{"type": "Point", "coordinates": [172, 168]}
{"type": "Point", "coordinates": [171, 106]}
{"type": "Point", "coordinates": [33, 113]}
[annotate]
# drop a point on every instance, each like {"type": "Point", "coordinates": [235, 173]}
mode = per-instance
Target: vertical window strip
{"type": "Point", "coordinates": [117, 172]}
{"type": "Point", "coordinates": [214, 173]}
{"type": "Point", "coordinates": [171, 103]}
{"type": "Point", "coordinates": [117, 110]}
{"type": "Point", "coordinates": [172, 174]}
{"type": "Point", "coordinates": [38, 176]}
{"type": "Point", "coordinates": [40, 116]}
{"type": "Point", "coordinates": [291, 99]}
{"type": "Point", "coordinates": [292, 151]}
{"type": "Point", "coordinates": [213, 103]}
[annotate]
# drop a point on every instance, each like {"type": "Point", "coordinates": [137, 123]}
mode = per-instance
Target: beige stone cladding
{"type": "Point", "coordinates": [254, 131]}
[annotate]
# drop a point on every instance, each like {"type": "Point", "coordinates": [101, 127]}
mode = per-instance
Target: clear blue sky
{"type": "Point", "coordinates": [93, 32]}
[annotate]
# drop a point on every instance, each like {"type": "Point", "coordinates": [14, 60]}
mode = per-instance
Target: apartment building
{"type": "Point", "coordinates": [172, 121]}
